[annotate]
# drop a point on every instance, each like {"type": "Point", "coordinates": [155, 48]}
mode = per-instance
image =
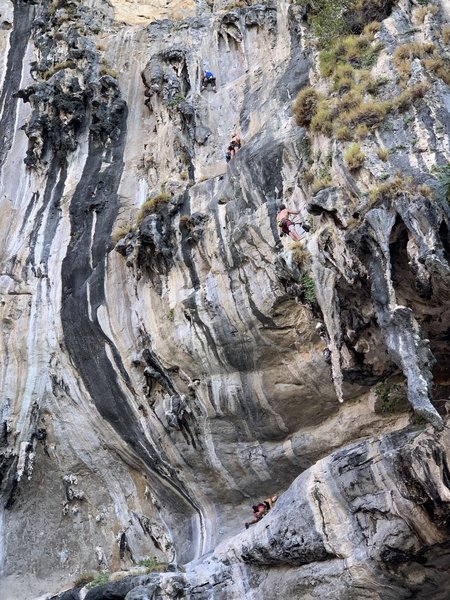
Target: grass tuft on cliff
{"type": "Point", "coordinates": [67, 64]}
{"type": "Point", "coordinates": [305, 105]}
{"type": "Point", "coordinates": [354, 157]}
{"type": "Point", "coordinates": [391, 188]}
{"type": "Point", "coordinates": [121, 232]}
{"type": "Point", "coordinates": [83, 579]}
{"type": "Point", "coordinates": [430, 56]}
{"type": "Point", "coordinates": [99, 579]}
{"type": "Point", "coordinates": [151, 563]}
{"type": "Point", "coordinates": [152, 205]}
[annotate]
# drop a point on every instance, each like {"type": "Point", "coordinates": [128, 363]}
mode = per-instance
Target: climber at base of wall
{"type": "Point", "coordinates": [287, 226]}
{"type": "Point", "coordinates": [261, 509]}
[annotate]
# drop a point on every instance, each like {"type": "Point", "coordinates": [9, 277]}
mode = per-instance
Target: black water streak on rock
{"type": "Point", "coordinates": [186, 247]}
{"type": "Point", "coordinates": [50, 184]}
{"type": "Point", "coordinates": [20, 34]}
{"type": "Point", "coordinates": [34, 199]}
{"type": "Point", "coordinates": [84, 337]}
{"type": "Point", "coordinates": [153, 362]}
{"type": "Point", "coordinates": [54, 214]}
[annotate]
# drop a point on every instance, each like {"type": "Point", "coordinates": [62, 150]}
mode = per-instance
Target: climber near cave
{"type": "Point", "coordinates": [261, 509]}
{"type": "Point", "coordinates": [287, 225]}
{"type": "Point", "coordinates": [208, 79]}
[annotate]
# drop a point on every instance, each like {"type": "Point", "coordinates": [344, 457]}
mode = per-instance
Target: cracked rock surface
{"type": "Point", "coordinates": [167, 359]}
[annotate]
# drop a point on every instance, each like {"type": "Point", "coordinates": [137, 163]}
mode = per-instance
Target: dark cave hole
{"type": "Point", "coordinates": [444, 237]}
{"type": "Point", "coordinates": [405, 282]}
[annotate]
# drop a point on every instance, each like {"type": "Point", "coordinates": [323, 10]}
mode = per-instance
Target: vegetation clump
{"type": "Point", "coordinates": [446, 35]}
{"type": "Point", "coordinates": [331, 19]}
{"type": "Point", "coordinates": [391, 398]}
{"type": "Point", "coordinates": [176, 100]}
{"type": "Point", "coordinates": [121, 232]}
{"type": "Point", "coordinates": [354, 50]}
{"type": "Point", "coordinates": [354, 157]}
{"type": "Point", "coordinates": [342, 133]}
{"type": "Point", "coordinates": [107, 71]}
{"type": "Point", "coordinates": [153, 205]}
{"type": "Point", "coordinates": [67, 64]}
{"type": "Point", "coordinates": [308, 289]}
{"type": "Point", "coordinates": [300, 254]}
{"type": "Point", "coordinates": [353, 109]}
{"type": "Point", "coordinates": [100, 579]}
{"type": "Point", "coordinates": [383, 154]}
{"type": "Point", "coordinates": [421, 12]}
{"type": "Point", "coordinates": [83, 579]}
{"type": "Point", "coordinates": [305, 105]}
{"type": "Point", "coordinates": [361, 131]}
{"type": "Point", "coordinates": [322, 121]}
{"type": "Point", "coordinates": [320, 184]}
{"type": "Point", "coordinates": [390, 189]}
{"type": "Point", "coordinates": [428, 53]}
{"type": "Point", "coordinates": [151, 563]}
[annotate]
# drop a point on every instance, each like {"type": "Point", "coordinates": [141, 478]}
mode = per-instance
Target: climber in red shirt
{"type": "Point", "coordinates": [261, 509]}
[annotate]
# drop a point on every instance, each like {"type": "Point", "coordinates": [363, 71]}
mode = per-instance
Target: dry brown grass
{"type": "Point", "coordinates": [83, 579]}
{"type": "Point", "coordinates": [391, 188]}
{"type": "Point", "coordinates": [300, 254]}
{"type": "Point", "coordinates": [406, 53]}
{"type": "Point", "coordinates": [322, 121]}
{"type": "Point", "coordinates": [370, 113]}
{"type": "Point", "coordinates": [440, 67]}
{"type": "Point", "coordinates": [407, 97]}
{"type": "Point", "coordinates": [308, 177]}
{"type": "Point", "coordinates": [383, 154]}
{"type": "Point", "coordinates": [425, 190]}
{"type": "Point", "coordinates": [343, 78]}
{"type": "Point", "coordinates": [305, 105]}
{"type": "Point", "coordinates": [121, 232]}
{"type": "Point", "coordinates": [421, 12]}
{"type": "Point", "coordinates": [320, 184]}
{"type": "Point", "coordinates": [372, 28]}
{"type": "Point", "coordinates": [446, 35]}
{"type": "Point", "coordinates": [354, 157]}
{"type": "Point", "coordinates": [361, 131]}
{"type": "Point", "coordinates": [342, 133]}
{"type": "Point", "coordinates": [349, 101]}
{"type": "Point", "coordinates": [152, 205]}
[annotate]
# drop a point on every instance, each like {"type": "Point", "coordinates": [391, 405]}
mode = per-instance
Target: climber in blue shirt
{"type": "Point", "coordinates": [208, 79]}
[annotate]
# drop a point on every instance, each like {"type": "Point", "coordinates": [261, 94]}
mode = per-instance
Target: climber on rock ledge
{"type": "Point", "coordinates": [261, 509]}
{"type": "Point", "coordinates": [286, 225]}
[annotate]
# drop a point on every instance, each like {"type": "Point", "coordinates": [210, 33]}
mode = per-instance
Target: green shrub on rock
{"type": "Point", "coordinates": [100, 579]}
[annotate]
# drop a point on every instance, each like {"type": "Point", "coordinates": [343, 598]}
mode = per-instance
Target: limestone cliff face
{"type": "Point", "coordinates": [167, 358]}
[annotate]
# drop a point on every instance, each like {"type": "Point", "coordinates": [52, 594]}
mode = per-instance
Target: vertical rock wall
{"type": "Point", "coordinates": [163, 366]}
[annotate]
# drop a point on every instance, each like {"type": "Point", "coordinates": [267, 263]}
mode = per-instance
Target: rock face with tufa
{"type": "Point", "coordinates": [168, 359]}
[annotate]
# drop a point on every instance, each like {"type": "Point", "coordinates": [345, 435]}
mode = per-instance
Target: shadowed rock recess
{"type": "Point", "coordinates": [166, 358]}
